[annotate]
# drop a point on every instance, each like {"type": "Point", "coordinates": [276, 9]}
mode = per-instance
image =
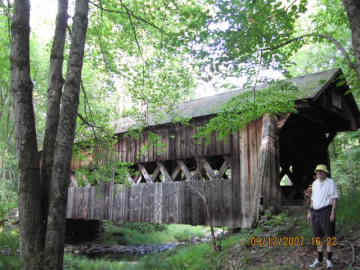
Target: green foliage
{"type": "Point", "coordinates": [153, 140]}
{"type": "Point", "coordinates": [147, 233]}
{"type": "Point", "coordinates": [194, 257]}
{"type": "Point", "coordinates": [277, 220]}
{"type": "Point", "coordinates": [9, 244]}
{"type": "Point", "coordinates": [347, 210]}
{"type": "Point", "coordinates": [160, 83]}
{"type": "Point", "coordinates": [144, 227]}
{"type": "Point", "coordinates": [8, 182]}
{"type": "Point", "coordinates": [345, 164]}
{"type": "Point", "coordinates": [115, 171]}
{"type": "Point", "coordinates": [241, 33]}
{"type": "Point", "coordinates": [82, 263]}
{"type": "Point", "coordinates": [180, 120]}
{"type": "Point", "coordinates": [278, 98]}
{"type": "Point", "coordinates": [140, 46]}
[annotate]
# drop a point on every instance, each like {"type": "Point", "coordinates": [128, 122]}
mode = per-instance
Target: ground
{"type": "Point", "coordinates": [239, 250]}
{"type": "Point", "coordinates": [296, 255]}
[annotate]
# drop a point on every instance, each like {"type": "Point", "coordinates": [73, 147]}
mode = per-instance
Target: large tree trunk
{"type": "Point", "coordinates": [56, 82]}
{"type": "Point", "coordinates": [26, 144]}
{"type": "Point", "coordinates": [54, 246]}
{"type": "Point", "coordinates": [352, 8]}
{"type": "Point", "coordinates": [267, 184]}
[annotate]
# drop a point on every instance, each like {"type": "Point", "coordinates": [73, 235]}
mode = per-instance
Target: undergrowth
{"type": "Point", "coordinates": [9, 246]}
{"type": "Point", "coordinates": [147, 233]}
{"type": "Point", "coordinates": [83, 263]}
{"type": "Point", "coordinates": [193, 257]}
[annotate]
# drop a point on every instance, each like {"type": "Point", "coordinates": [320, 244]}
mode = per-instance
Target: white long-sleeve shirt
{"type": "Point", "coordinates": [323, 192]}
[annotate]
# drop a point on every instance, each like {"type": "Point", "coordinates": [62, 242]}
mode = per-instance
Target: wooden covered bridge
{"type": "Point", "coordinates": [182, 180]}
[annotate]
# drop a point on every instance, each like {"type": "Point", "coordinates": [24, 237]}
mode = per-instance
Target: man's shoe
{"type": "Point", "coordinates": [315, 264]}
{"type": "Point", "coordinates": [329, 264]}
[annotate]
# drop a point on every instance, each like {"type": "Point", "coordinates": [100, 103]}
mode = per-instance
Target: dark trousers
{"type": "Point", "coordinates": [321, 225]}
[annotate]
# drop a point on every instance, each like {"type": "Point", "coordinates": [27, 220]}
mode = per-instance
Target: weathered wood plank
{"type": "Point", "coordinates": [158, 199]}
{"type": "Point", "coordinates": [210, 172]}
{"type": "Point", "coordinates": [148, 178]}
{"type": "Point", "coordinates": [70, 202]}
{"type": "Point", "coordinates": [170, 202]}
{"type": "Point", "coordinates": [245, 174]}
{"type": "Point", "coordinates": [236, 178]}
{"type": "Point", "coordinates": [184, 169]}
{"type": "Point", "coordinates": [227, 212]}
{"type": "Point", "coordinates": [155, 173]}
{"type": "Point", "coordinates": [175, 172]}
{"type": "Point", "coordinates": [164, 172]}
{"type": "Point", "coordinates": [224, 167]}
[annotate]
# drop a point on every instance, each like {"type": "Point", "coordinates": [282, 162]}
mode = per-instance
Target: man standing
{"type": "Point", "coordinates": [322, 213]}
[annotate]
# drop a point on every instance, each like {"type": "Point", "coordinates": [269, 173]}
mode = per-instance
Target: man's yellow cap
{"type": "Point", "coordinates": [321, 167]}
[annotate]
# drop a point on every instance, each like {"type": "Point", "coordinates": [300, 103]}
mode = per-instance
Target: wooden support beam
{"type": "Point", "coordinates": [155, 174]}
{"type": "Point", "coordinates": [148, 178]}
{"type": "Point", "coordinates": [138, 178]}
{"type": "Point", "coordinates": [184, 169]}
{"type": "Point", "coordinates": [175, 172]}
{"type": "Point", "coordinates": [224, 167]}
{"type": "Point", "coordinates": [131, 180]}
{"type": "Point", "coordinates": [208, 169]}
{"type": "Point", "coordinates": [164, 172]}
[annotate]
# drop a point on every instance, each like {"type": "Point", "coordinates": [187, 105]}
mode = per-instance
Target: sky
{"type": "Point", "coordinates": [42, 18]}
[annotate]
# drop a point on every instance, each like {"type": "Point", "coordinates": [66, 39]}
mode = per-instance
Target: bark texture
{"type": "Point", "coordinates": [267, 184]}
{"type": "Point", "coordinates": [352, 8]}
{"type": "Point", "coordinates": [56, 82]}
{"type": "Point", "coordinates": [54, 245]}
{"type": "Point", "coordinates": [22, 87]}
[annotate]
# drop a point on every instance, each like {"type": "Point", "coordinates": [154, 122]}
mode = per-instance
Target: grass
{"type": "Point", "coordinates": [82, 263]}
{"type": "Point", "coordinates": [146, 233]}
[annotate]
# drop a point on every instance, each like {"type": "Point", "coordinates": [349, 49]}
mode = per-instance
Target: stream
{"type": "Point", "coordinates": [95, 250]}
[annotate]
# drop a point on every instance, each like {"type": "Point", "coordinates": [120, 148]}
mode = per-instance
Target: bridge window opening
{"type": "Point", "coordinates": [209, 168]}
{"type": "Point", "coordinates": [227, 174]}
{"type": "Point", "coordinates": [285, 181]}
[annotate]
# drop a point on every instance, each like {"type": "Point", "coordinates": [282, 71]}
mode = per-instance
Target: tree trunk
{"type": "Point", "coordinates": [267, 184]}
{"type": "Point", "coordinates": [25, 133]}
{"type": "Point", "coordinates": [54, 245]}
{"type": "Point", "coordinates": [56, 82]}
{"type": "Point", "coordinates": [352, 8]}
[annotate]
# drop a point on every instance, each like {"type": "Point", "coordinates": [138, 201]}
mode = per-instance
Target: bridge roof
{"type": "Point", "coordinates": [311, 85]}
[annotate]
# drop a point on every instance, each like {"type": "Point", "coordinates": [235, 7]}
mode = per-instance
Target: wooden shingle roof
{"type": "Point", "coordinates": [311, 85]}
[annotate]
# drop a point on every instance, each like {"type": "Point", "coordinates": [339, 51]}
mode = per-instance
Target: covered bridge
{"type": "Point", "coordinates": [182, 180]}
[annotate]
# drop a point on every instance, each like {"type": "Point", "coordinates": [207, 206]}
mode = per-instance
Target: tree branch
{"type": "Point", "coordinates": [86, 101]}
{"type": "Point", "coordinates": [86, 122]}
{"type": "Point", "coordinates": [338, 45]}
{"type": "Point", "coordinates": [127, 13]}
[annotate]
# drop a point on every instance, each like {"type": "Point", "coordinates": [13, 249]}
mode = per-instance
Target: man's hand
{"type": "Point", "coordinates": [309, 217]}
{"type": "Point", "coordinates": [332, 216]}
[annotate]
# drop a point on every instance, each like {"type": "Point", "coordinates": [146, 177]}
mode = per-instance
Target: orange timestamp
{"type": "Point", "coordinates": [329, 241]}
{"type": "Point", "coordinates": [277, 241]}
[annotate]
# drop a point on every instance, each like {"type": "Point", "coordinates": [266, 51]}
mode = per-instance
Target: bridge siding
{"type": "Point", "coordinates": [174, 202]}
{"type": "Point", "coordinates": [178, 143]}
